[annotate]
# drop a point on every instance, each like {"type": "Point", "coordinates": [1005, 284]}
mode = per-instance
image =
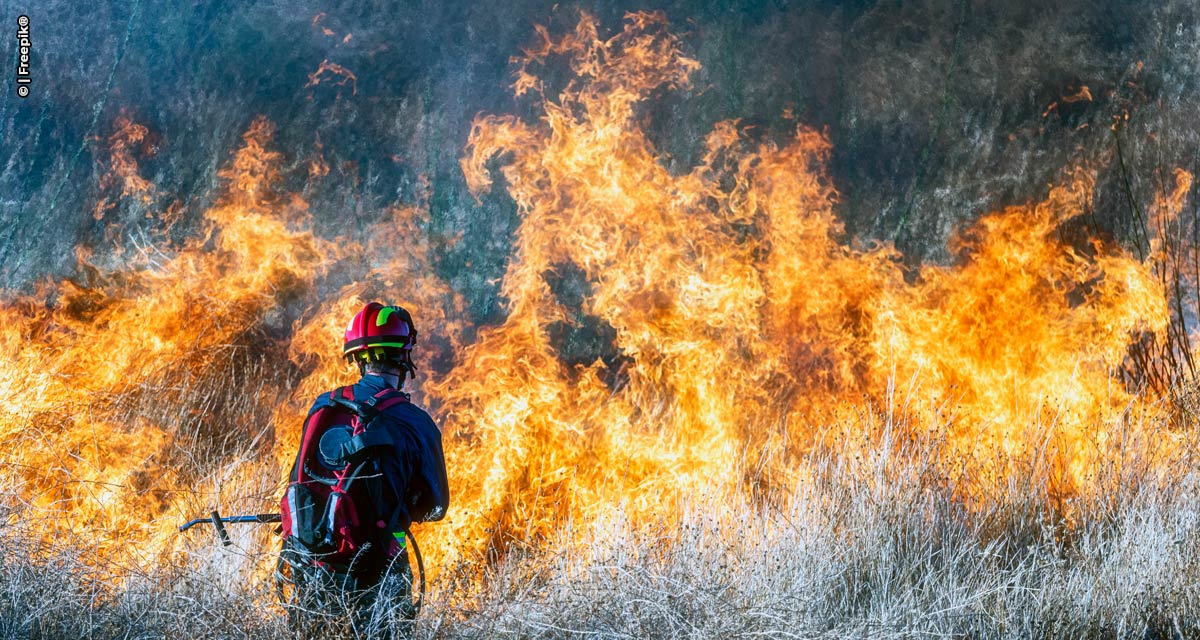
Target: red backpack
{"type": "Point", "coordinates": [334, 487]}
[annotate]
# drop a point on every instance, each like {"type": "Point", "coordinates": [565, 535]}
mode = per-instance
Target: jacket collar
{"type": "Point", "coordinates": [375, 383]}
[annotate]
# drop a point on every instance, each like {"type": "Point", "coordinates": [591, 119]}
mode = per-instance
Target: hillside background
{"type": "Point", "coordinates": [938, 111]}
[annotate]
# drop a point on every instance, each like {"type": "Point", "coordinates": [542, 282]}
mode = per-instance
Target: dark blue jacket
{"type": "Point", "coordinates": [414, 469]}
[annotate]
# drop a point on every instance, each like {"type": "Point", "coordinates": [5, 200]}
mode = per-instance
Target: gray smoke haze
{"type": "Point", "coordinates": [938, 111]}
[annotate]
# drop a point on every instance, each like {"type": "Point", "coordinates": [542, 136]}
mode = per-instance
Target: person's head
{"type": "Point", "coordinates": [379, 339]}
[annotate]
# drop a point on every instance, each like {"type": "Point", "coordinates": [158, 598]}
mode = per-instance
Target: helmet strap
{"type": "Point", "coordinates": [402, 365]}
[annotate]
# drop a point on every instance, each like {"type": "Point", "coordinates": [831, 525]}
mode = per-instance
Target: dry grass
{"type": "Point", "coordinates": [893, 556]}
{"type": "Point", "coordinates": [899, 561]}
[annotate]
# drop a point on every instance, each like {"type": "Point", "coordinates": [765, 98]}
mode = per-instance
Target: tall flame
{"type": "Point", "coordinates": [744, 330]}
{"type": "Point", "coordinates": [100, 378]}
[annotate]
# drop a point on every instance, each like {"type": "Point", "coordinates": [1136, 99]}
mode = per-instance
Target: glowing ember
{"type": "Point", "coordinates": [328, 70]}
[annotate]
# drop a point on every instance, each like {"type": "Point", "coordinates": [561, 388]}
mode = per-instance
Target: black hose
{"type": "Point", "coordinates": [420, 570]}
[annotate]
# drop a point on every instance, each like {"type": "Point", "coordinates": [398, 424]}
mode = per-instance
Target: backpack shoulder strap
{"type": "Point", "coordinates": [331, 399]}
{"type": "Point", "coordinates": [386, 399]}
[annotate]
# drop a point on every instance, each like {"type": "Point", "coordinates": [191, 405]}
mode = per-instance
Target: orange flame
{"type": "Point", "coordinates": [317, 167]}
{"type": "Point", "coordinates": [333, 69]}
{"type": "Point", "coordinates": [104, 378]}
{"type": "Point", "coordinates": [742, 325]}
{"type": "Point", "coordinates": [128, 140]}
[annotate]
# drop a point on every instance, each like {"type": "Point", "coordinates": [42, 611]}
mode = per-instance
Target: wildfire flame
{"type": "Point", "coordinates": [745, 329]}
{"type": "Point", "coordinates": [737, 330]}
{"type": "Point", "coordinates": [95, 374]}
{"type": "Point", "coordinates": [126, 142]}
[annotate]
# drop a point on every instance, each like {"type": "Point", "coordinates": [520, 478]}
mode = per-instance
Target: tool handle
{"type": "Point", "coordinates": [219, 522]}
{"type": "Point", "coordinates": [222, 534]}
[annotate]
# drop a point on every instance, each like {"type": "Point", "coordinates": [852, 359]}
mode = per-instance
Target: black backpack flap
{"type": "Point", "coordinates": [365, 444]}
{"type": "Point", "coordinates": [307, 513]}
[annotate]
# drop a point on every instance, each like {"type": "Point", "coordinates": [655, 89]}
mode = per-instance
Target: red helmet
{"type": "Point", "coordinates": [380, 334]}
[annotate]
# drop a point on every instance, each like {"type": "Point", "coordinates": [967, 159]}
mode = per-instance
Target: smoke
{"type": "Point", "coordinates": [938, 111]}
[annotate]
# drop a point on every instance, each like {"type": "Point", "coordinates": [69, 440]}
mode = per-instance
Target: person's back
{"type": "Point", "coordinates": [370, 463]}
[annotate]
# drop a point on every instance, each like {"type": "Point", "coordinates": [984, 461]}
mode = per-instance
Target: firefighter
{"type": "Point", "coordinates": [370, 463]}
